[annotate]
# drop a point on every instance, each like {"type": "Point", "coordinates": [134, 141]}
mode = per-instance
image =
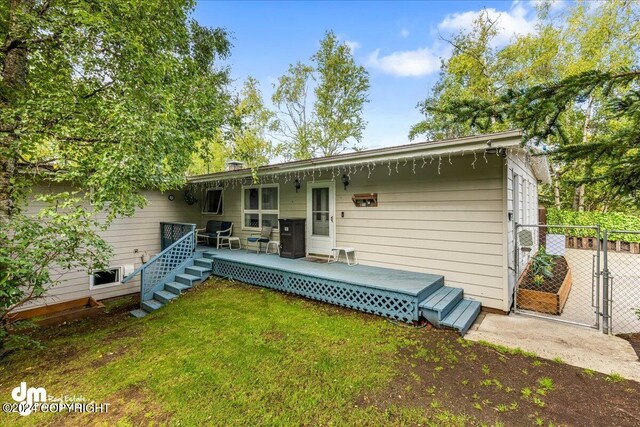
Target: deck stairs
{"type": "Point", "coordinates": [446, 307]}
{"type": "Point", "coordinates": [442, 306]}
{"type": "Point", "coordinates": [195, 272]}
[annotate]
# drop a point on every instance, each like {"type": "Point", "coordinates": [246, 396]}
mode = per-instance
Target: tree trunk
{"type": "Point", "coordinates": [580, 197]}
{"type": "Point", "coordinates": [580, 190]}
{"type": "Point", "coordinates": [14, 76]}
{"type": "Point", "coordinates": [556, 191]}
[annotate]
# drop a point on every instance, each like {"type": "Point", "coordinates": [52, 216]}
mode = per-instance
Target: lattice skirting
{"type": "Point", "coordinates": [384, 303]}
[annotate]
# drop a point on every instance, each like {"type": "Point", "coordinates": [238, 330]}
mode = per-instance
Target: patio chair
{"type": "Point", "coordinates": [259, 239]}
{"type": "Point", "coordinates": [223, 235]}
{"type": "Point", "coordinates": [219, 230]}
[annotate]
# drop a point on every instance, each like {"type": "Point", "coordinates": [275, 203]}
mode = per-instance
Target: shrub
{"type": "Point", "coordinates": [609, 221]}
{"type": "Point", "coordinates": [542, 264]}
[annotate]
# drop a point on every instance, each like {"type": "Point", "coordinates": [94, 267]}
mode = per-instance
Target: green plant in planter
{"type": "Point", "coordinates": [538, 280]}
{"type": "Point", "coordinates": [542, 264]}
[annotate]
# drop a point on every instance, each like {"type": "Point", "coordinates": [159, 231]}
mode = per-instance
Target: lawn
{"type": "Point", "coordinates": [233, 354]}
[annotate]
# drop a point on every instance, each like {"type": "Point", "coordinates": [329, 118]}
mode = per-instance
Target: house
{"type": "Point", "coordinates": [445, 208]}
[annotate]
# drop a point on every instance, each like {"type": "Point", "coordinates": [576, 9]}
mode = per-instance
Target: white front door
{"type": "Point", "coordinates": [320, 221]}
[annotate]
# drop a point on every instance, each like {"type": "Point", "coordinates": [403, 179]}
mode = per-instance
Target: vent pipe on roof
{"type": "Point", "coordinates": [234, 165]}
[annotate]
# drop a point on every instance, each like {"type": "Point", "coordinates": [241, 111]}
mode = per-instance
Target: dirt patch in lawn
{"type": "Point", "coordinates": [131, 406]}
{"type": "Point", "coordinates": [634, 340]}
{"type": "Point", "coordinates": [442, 371]}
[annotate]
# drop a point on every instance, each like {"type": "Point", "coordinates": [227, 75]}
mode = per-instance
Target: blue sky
{"type": "Point", "coordinates": [398, 43]}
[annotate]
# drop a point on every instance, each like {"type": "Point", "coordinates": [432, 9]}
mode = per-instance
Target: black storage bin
{"type": "Point", "coordinates": [292, 235]}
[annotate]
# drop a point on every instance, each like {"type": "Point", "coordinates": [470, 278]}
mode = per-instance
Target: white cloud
{"type": "Point", "coordinates": [404, 33]}
{"type": "Point", "coordinates": [408, 63]}
{"type": "Point", "coordinates": [516, 21]}
{"type": "Point", "coordinates": [520, 19]}
{"type": "Point", "coordinates": [352, 45]}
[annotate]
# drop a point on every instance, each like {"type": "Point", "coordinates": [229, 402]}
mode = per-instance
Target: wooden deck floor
{"type": "Point", "coordinates": [405, 282]}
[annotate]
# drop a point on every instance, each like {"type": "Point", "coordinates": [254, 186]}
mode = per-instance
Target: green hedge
{"type": "Point", "coordinates": [608, 221]}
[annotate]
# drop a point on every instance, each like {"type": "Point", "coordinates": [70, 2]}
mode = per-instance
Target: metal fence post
{"type": "Point", "coordinates": [605, 285]}
{"type": "Point", "coordinates": [597, 274]}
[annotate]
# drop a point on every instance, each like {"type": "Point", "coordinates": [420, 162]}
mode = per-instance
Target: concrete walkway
{"type": "Point", "coordinates": [578, 346]}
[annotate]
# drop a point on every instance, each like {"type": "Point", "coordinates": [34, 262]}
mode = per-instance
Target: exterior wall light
{"type": "Point", "coordinates": [345, 181]}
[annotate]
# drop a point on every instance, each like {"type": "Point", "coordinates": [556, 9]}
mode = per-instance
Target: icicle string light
{"type": "Point", "coordinates": [349, 169]}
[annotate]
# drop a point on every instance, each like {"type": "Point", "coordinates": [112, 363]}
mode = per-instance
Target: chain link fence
{"type": "Point", "coordinates": [621, 276]}
{"type": "Point", "coordinates": [557, 271]}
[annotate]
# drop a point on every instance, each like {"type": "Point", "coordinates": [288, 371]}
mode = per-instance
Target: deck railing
{"type": "Point", "coordinates": [157, 271]}
{"type": "Point", "coordinates": [171, 232]}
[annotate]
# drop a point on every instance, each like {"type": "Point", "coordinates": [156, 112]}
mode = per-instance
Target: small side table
{"type": "Point", "coordinates": [335, 255]}
{"type": "Point", "coordinates": [277, 245]}
{"type": "Point", "coordinates": [232, 240]}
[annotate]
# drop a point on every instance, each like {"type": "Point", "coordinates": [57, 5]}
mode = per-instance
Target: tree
{"type": "Point", "coordinates": [472, 71]}
{"type": "Point", "coordinates": [298, 127]}
{"type": "Point", "coordinates": [96, 95]}
{"type": "Point", "coordinates": [611, 158]}
{"type": "Point", "coordinates": [340, 92]}
{"type": "Point", "coordinates": [581, 39]}
{"type": "Point", "coordinates": [249, 137]}
{"type": "Point", "coordinates": [246, 137]}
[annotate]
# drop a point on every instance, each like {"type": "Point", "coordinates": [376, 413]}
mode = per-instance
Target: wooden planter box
{"type": "Point", "coordinates": [54, 314]}
{"type": "Point", "coordinates": [544, 302]}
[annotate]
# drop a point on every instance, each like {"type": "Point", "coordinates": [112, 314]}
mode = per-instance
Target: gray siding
{"type": "Point", "coordinates": [140, 232]}
{"type": "Point", "coordinates": [451, 223]}
{"type": "Point", "coordinates": [448, 223]}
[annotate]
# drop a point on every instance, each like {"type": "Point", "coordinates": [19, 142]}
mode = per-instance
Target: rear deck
{"type": "Point", "coordinates": [397, 294]}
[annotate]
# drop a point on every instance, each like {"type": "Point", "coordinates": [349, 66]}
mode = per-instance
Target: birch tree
{"type": "Point", "coordinates": [333, 121]}
{"type": "Point", "coordinates": [96, 95]}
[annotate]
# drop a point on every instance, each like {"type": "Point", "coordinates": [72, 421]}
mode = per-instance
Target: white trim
{"type": "Point", "coordinates": [204, 202]}
{"type": "Point", "coordinates": [332, 214]}
{"type": "Point", "coordinates": [258, 211]}
{"type": "Point", "coordinates": [120, 269]}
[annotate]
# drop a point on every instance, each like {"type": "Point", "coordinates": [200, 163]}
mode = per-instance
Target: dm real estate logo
{"type": "Point", "coordinates": [28, 397]}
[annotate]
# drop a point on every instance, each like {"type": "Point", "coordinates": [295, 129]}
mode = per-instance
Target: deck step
{"type": "Point", "coordinates": [462, 316]}
{"type": "Point", "coordinates": [204, 262]}
{"type": "Point", "coordinates": [209, 254]}
{"type": "Point", "coordinates": [187, 279]}
{"type": "Point", "coordinates": [176, 287]}
{"type": "Point", "coordinates": [434, 285]}
{"type": "Point", "coordinates": [164, 296]}
{"type": "Point", "coordinates": [138, 312]}
{"type": "Point", "coordinates": [151, 305]}
{"type": "Point", "coordinates": [197, 271]}
{"type": "Point", "coordinates": [437, 305]}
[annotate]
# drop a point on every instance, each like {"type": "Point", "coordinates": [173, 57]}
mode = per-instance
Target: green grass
{"type": "Point", "coordinates": [614, 377]}
{"type": "Point", "coordinates": [224, 355]}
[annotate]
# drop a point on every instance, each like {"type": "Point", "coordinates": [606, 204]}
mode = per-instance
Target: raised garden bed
{"type": "Point", "coordinates": [54, 314]}
{"type": "Point", "coordinates": [549, 296]}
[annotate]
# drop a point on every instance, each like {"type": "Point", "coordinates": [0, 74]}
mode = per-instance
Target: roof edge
{"type": "Point", "coordinates": [444, 146]}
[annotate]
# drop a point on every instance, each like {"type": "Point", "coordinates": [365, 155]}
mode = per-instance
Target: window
{"type": "Point", "coordinates": [260, 206]}
{"type": "Point", "coordinates": [213, 202]}
{"type": "Point", "coordinates": [104, 278]}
